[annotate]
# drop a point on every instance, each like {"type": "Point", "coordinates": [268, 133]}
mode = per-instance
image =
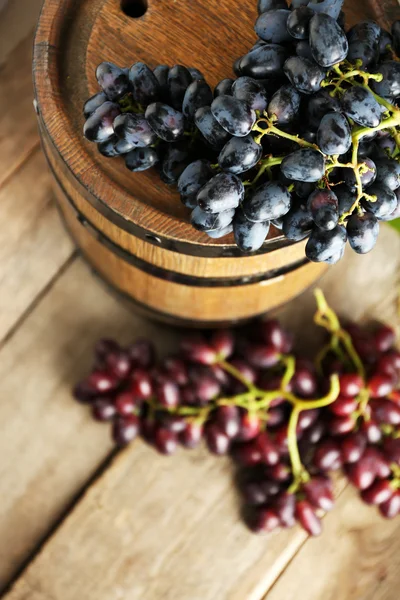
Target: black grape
{"type": "Point", "coordinates": [362, 232]}
{"type": "Point", "coordinates": [93, 103]}
{"type": "Point", "coordinates": [271, 26]}
{"type": "Point", "coordinates": [328, 7]}
{"type": "Point", "coordinates": [360, 105]}
{"type": "Point", "coordinates": [326, 246]}
{"type": "Point", "coordinates": [249, 236]}
{"type": "Point", "coordinates": [144, 84]}
{"type": "Point", "coordinates": [346, 198]}
{"type": "Point", "coordinates": [206, 221]}
{"type": "Point", "coordinates": [193, 178]}
{"type": "Point", "coordinates": [303, 49]}
{"type": "Point", "coordinates": [161, 74]}
{"type": "Point", "coordinates": [396, 213]}
{"type": "Point", "coordinates": [267, 61]}
{"type": "Point", "coordinates": [174, 161]}
{"type": "Point", "coordinates": [264, 5]}
{"type": "Point", "coordinates": [236, 67]}
{"type": "Point", "coordinates": [297, 3]}
{"type": "Point", "coordinates": [304, 189]}
{"type": "Point", "coordinates": [270, 201]}
{"type": "Point", "coordinates": [298, 223]}
{"type": "Point", "coordinates": [327, 40]}
{"type": "Point", "coordinates": [141, 159]}
{"type": "Point", "coordinates": [278, 223]}
{"type": "Point", "coordinates": [107, 148]}
{"type": "Point", "coordinates": [384, 41]}
{"type": "Point", "coordinates": [167, 122]}
{"type": "Point", "coordinates": [284, 105]}
{"type": "Point", "coordinates": [298, 23]}
{"type": "Point", "coordinates": [385, 203]}
{"type": "Point", "coordinates": [99, 126]}
{"type": "Point", "coordinates": [385, 142]}
{"type": "Point", "coordinates": [209, 127]}
{"type": "Point", "coordinates": [223, 88]}
{"type": "Point", "coordinates": [179, 79]}
{"type": "Point", "coordinates": [112, 80]}
{"type": "Point", "coordinates": [196, 74]}
{"type": "Point", "coordinates": [305, 75]}
{"type": "Point", "coordinates": [388, 173]}
{"type": "Point", "coordinates": [367, 178]}
{"type": "Point", "coordinates": [305, 164]}
{"type": "Point", "coordinates": [249, 90]}
{"type": "Point", "coordinates": [396, 36]}
{"type": "Point", "coordinates": [324, 208]}
{"type": "Point", "coordinates": [319, 105]}
{"type": "Point", "coordinates": [341, 19]}
{"type": "Point", "coordinates": [223, 192]}
{"type": "Point", "coordinates": [133, 131]}
{"type": "Point", "coordinates": [364, 43]}
{"type": "Point", "coordinates": [219, 233]}
{"type": "Point", "coordinates": [334, 134]}
{"type": "Point", "coordinates": [233, 115]}
{"type": "Point", "coordinates": [197, 95]}
{"type": "Point", "coordinates": [240, 155]}
{"type": "Point", "coordinates": [389, 87]}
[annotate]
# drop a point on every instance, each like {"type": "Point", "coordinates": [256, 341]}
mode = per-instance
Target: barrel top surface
{"type": "Point", "coordinates": [74, 36]}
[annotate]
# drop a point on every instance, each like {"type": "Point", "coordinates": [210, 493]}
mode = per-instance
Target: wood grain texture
{"type": "Point", "coordinates": [187, 264]}
{"type": "Point", "coordinates": [137, 212]}
{"type": "Point", "coordinates": [18, 127]}
{"type": "Point", "coordinates": [33, 246]}
{"type": "Point", "coordinates": [184, 302]}
{"type": "Point", "coordinates": [50, 446]}
{"type": "Point", "coordinates": [158, 528]}
{"type": "Point", "coordinates": [357, 558]}
{"type": "Point", "coordinates": [73, 38]}
{"type": "Point", "coordinates": [16, 22]}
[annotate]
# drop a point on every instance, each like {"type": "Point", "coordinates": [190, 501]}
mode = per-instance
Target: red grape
{"type": "Point", "coordinates": [385, 338]}
{"type": "Point", "coordinates": [391, 508]}
{"type": "Point", "coordinates": [378, 493]}
{"type": "Point", "coordinates": [223, 342]}
{"type": "Point", "coordinates": [319, 492]}
{"type": "Point", "coordinates": [125, 429]}
{"type": "Point", "coordinates": [217, 442]}
{"type": "Point", "coordinates": [307, 518]}
{"type": "Point", "coordinates": [165, 441]}
{"type": "Point", "coordinates": [353, 447]}
{"type": "Point", "coordinates": [228, 420]}
{"type": "Point", "coordinates": [351, 385]}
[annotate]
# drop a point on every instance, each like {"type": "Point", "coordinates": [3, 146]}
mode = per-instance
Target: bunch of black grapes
{"type": "Point", "coordinates": [306, 137]}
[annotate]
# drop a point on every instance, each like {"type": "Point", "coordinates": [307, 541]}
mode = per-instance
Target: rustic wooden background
{"type": "Point", "coordinates": [77, 520]}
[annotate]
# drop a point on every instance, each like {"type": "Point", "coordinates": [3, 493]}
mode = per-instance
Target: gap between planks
{"type": "Point", "coordinates": [139, 524]}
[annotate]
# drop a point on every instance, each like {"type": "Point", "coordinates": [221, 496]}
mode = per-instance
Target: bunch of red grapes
{"type": "Point", "coordinates": [286, 422]}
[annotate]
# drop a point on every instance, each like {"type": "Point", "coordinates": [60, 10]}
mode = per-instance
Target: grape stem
{"type": "Point", "coordinates": [273, 130]}
{"type": "Point", "coordinates": [265, 166]}
{"type": "Point", "coordinates": [327, 318]}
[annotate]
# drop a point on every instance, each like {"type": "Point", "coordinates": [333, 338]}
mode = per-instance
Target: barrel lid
{"type": "Point", "coordinates": [74, 36]}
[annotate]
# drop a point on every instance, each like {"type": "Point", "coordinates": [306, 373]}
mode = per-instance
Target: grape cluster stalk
{"type": "Point", "coordinates": [306, 138]}
{"type": "Point", "coordinates": [288, 423]}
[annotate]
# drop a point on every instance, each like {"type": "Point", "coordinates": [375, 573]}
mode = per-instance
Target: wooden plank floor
{"type": "Point", "coordinates": [77, 521]}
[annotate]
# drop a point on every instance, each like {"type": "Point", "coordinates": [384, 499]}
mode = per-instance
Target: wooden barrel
{"type": "Point", "coordinates": [132, 228]}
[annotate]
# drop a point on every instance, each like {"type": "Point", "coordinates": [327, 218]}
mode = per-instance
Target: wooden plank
{"type": "Point", "coordinates": [16, 21]}
{"type": "Point", "coordinates": [33, 244]}
{"type": "Point", "coordinates": [49, 445]}
{"type": "Point", "coordinates": [18, 126]}
{"type": "Point", "coordinates": [158, 528]}
{"type": "Point", "coordinates": [169, 528]}
{"type": "Point", "coordinates": [357, 558]}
